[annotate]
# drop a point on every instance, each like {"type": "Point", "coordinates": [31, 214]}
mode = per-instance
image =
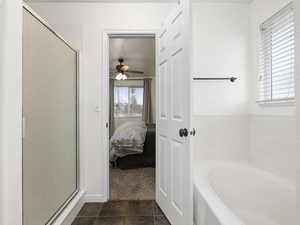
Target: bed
{"type": "Point", "coordinates": [145, 158]}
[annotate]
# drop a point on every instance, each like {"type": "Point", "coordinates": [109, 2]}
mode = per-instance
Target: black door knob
{"type": "Point", "coordinates": [183, 132]}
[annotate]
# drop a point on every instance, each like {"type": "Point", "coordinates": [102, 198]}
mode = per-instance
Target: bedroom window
{"type": "Point", "coordinates": [128, 101]}
{"type": "Point", "coordinates": [277, 73]}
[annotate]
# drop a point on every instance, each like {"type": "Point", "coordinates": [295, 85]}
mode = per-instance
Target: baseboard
{"type": "Point", "coordinates": [71, 211]}
{"type": "Point", "coordinates": [95, 198]}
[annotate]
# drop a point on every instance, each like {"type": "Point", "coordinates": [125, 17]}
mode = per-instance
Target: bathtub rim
{"type": "Point", "coordinates": [224, 214]}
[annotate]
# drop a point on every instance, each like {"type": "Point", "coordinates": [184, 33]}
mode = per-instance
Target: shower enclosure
{"type": "Point", "coordinates": [50, 127]}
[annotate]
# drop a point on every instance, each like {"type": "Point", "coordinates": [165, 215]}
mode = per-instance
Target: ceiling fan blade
{"type": "Point", "coordinates": [121, 68]}
{"type": "Point", "coordinates": [135, 71]}
{"type": "Point", "coordinates": [124, 68]}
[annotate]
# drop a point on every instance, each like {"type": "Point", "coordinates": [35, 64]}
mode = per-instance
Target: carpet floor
{"type": "Point", "coordinates": [133, 184]}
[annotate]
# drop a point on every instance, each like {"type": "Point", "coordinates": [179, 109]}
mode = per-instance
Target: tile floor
{"type": "Point", "coordinates": [121, 213]}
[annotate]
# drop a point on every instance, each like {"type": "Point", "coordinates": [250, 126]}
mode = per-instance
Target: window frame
{"type": "Point", "coordinates": [263, 87]}
{"type": "Point", "coordinates": [128, 115]}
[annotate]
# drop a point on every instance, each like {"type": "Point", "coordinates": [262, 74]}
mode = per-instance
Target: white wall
{"type": "Point", "coordinates": [221, 138]}
{"type": "Point", "coordinates": [87, 21]}
{"type": "Point", "coordinates": [220, 34]}
{"type": "Point", "coordinates": [1, 112]}
{"type": "Point", "coordinates": [10, 112]}
{"type": "Point", "coordinates": [273, 128]}
{"type": "Point", "coordinates": [221, 37]}
{"type": "Point", "coordinates": [229, 122]}
{"type": "Point", "coordinates": [273, 144]}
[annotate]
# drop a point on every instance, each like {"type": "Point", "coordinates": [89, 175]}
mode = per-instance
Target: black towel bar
{"type": "Point", "coordinates": [232, 79]}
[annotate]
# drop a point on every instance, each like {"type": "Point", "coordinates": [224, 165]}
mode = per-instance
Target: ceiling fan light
{"type": "Point", "coordinates": [124, 77]}
{"type": "Point", "coordinates": [119, 76]}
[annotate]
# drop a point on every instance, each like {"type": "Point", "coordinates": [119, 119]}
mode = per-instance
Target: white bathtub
{"type": "Point", "coordinates": [228, 193]}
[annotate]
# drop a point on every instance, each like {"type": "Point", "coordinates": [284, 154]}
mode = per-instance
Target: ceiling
{"type": "Point", "coordinates": [138, 54]}
{"type": "Point", "coordinates": [140, 1]}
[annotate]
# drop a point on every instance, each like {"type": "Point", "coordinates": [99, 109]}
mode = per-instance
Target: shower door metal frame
{"type": "Point", "coordinates": [76, 191]}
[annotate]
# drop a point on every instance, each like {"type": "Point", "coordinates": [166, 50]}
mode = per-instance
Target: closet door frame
{"type": "Point", "coordinates": [76, 191]}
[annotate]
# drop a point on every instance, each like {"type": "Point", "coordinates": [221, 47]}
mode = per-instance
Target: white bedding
{"type": "Point", "coordinates": [128, 139]}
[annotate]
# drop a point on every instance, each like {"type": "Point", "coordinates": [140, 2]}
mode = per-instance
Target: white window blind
{"type": "Point", "coordinates": [277, 72]}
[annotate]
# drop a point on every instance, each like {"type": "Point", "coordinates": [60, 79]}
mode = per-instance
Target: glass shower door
{"type": "Point", "coordinates": [49, 122]}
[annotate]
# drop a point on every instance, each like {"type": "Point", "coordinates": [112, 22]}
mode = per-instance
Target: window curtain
{"type": "Point", "coordinates": [147, 109]}
{"type": "Point", "coordinates": [112, 106]}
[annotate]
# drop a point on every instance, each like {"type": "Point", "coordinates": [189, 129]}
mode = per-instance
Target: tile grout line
{"type": "Point", "coordinates": [153, 210]}
{"type": "Point", "coordinates": [100, 209]}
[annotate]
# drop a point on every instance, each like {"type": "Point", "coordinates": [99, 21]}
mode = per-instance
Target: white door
{"type": "Point", "coordinates": [174, 176]}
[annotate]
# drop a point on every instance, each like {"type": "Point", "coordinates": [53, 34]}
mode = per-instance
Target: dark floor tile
{"type": "Point", "coordinates": [84, 221]}
{"type": "Point", "coordinates": [139, 220]}
{"type": "Point", "coordinates": [161, 220]}
{"type": "Point", "coordinates": [91, 209]}
{"type": "Point", "coordinates": [157, 210]}
{"type": "Point", "coordinates": [127, 208]}
{"type": "Point", "coordinates": [109, 221]}
{"type": "Point", "coordinates": [141, 208]}
{"type": "Point", "coordinates": [115, 208]}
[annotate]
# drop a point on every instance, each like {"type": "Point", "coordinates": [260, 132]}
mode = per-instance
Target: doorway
{"type": "Point", "coordinates": [132, 116]}
{"type": "Point", "coordinates": [173, 176]}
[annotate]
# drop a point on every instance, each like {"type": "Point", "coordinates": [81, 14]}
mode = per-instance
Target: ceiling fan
{"type": "Point", "coordinates": [122, 69]}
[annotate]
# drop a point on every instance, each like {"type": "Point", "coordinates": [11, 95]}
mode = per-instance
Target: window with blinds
{"type": "Point", "coordinates": [277, 72]}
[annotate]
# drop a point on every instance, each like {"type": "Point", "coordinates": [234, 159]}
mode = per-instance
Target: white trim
{"type": "Point", "coordinates": [11, 113]}
{"type": "Point", "coordinates": [71, 211]}
{"type": "Point", "coordinates": [276, 103]}
{"type": "Point", "coordinates": [95, 198]}
{"type": "Point", "coordinates": [105, 89]}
